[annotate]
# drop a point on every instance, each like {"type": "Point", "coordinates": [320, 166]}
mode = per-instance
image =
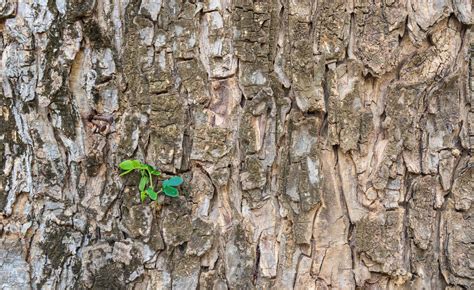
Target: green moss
{"type": "Point", "coordinates": [167, 109]}
{"type": "Point", "coordinates": [109, 277]}
{"type": "Point", "coordinates": [247, 135]}
{"type": "Point", "coordinates": [52, 6]}
{"type": "Point", "coordinates": [80, 8]}
{"type": "Point", "coordinates": [3, 193]}
{"type": "Point", "coordinates": [53, 246]}
{"type": "Point", "coordinates": [94, 33]}
{"type": "Point", "coordinates": [377, 238]}
{"type": "Point", "coordinates": [93, 164]}
{"type": "Point", "coordinates": [254, 167]}
{"type": "Point", "coordinates": [8, 137]}
{"type": "Point", "coordinates": [68, 117]}
{"type": "Point", "coordinates": [76, 268]}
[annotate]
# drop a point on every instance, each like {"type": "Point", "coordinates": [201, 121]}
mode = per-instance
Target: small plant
{"type": "Point", "coordinates": [146, 185]}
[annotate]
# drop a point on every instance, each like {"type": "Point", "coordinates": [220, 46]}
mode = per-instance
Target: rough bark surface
{"type": "Point", "coordinates": [324, 144]}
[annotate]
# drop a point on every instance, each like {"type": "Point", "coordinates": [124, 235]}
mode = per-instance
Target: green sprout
{"type": "Point", "coordinates": [146, 185]}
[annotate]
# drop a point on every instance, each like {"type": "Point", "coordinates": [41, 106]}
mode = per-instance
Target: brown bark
{"type": "Point", "coordinates": [324, 144]}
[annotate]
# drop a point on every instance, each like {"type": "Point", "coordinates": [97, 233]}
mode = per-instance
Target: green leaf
{"type": "Point", "coordinates": [143, 196]}
{"type": "Point", "coordinates": [155, 172]}
{"type": "Point", "coordinates": [130, 164]}
{"type": "Point", "coordinates": [143, 182]}
{"type": "Point", "coordinates": [170, 191]}
{"type": "Point", "coordinates": [149, 167]}
{"type": "Point", "coordinates": [126, 172]}
{"type": "Point", "coordinates": [151, 193]}
{"type": "Point", "coordinates": [173, 181]}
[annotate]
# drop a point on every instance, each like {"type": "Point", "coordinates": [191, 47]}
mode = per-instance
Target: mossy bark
{"type": "Point", "coordinates": [324, 144]}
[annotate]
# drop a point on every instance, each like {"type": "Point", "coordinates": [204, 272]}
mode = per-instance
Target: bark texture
{"type": "Point", "coordinates": [324, 144]}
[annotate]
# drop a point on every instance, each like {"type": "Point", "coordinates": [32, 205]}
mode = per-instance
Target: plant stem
{"type": "Point", "coordinates": [151, 179]}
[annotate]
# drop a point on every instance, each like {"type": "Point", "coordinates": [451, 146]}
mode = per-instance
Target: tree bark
{"type": "Point", "coordinates": [324, 144]}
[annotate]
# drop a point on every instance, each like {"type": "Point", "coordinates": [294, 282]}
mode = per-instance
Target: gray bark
{"type": "Point", "coordinates": [324, 144]}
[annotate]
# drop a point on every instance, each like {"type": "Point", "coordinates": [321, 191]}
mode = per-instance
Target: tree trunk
{"type": "Point", "coordinates": [324, 144]}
